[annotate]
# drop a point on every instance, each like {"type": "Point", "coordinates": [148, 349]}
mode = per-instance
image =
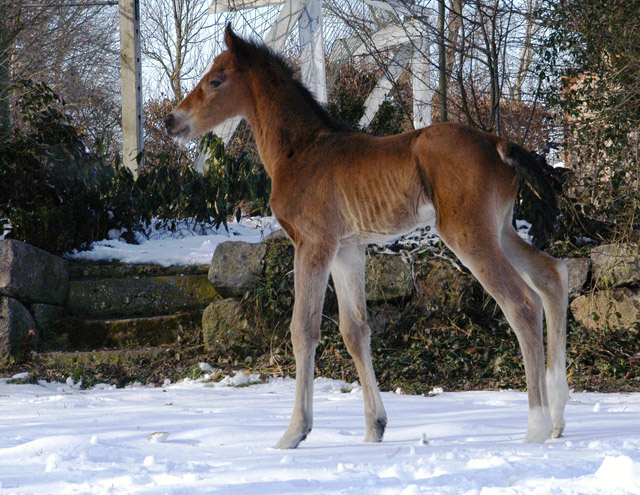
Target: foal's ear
{"type": "Point", "coordinates": [235, 43]}
{"type": "Point", "coordinates": [230, 38]}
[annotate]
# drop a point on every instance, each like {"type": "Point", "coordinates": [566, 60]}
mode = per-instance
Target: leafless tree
{"type": "Point", "coordinates": [74, 50]}
{"type": "Point", "coordinates": [489, 56]}
{"type": "Point", "coordinates": [172, 32]}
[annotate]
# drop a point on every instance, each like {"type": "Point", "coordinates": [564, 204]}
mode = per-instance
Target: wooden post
{"type": "Point", "coordinates": [131, 80]}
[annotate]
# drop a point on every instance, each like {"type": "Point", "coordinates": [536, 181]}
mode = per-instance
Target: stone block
{"type": "Point", "coordinates": [617, 308]}
{"type": "Point", "coordinates": [443, 290]}
{"type": "Point", "coordinates": [16, 323]}
{"type": "Point", "coordinates": [126, 332]}
{"type": "Point", "coordinates": [32, 275]}
{"type": "Point", "coordinates": [615, 264]}
{"type": "Point", "coordinates": [388, 278]}
{"type": "Point", "coordinates": [46, 316]}
{"type": "Point", "coordinates": [236, 266]}
{"type": "Point", "coordinates": [144, 296]}
{"type": "Point", "coordinates": [224, 326]}
{"type": "Point", "coordinates": [578, 274]}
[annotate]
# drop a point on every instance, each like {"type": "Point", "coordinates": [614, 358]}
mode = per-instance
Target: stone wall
{"type": "Point", "coordinates": [613, 299]}
{"type": "Point", "coordinates": [33, 289]}
{"type": "Point", "coordinates": [603, 289]}
{"type": "Point", "coordinates": [237, 267]}
{"type": "Point", "coordinates": [35, 292]}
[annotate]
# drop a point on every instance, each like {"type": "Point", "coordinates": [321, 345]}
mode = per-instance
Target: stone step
{"type": "Point", "coordinates": [110, 356]}
{"type": "Point", "coordinates": [95, 270]}
{"type": "Point", "coordinates": [120, 333]}
{"type": "Point", "coordinates": [138, 296]}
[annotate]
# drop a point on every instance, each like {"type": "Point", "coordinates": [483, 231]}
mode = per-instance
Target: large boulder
{"type": "Point", "coordinates": [236, 266]}
{"type": "Point", "coordinates": [224, 326]}
{"type": "Point", "coordinates": [613, 309]}
{"type": "Point", "coordinates": [388, 278]}
{"type": "Point", "coordinates": [616, 264]}
{"type": "Point", "coordinates": [31, 274]}
{"type": "Point", "coordinates": [578, 274]}
{"type": "Point", "coordinates": [16, 326]}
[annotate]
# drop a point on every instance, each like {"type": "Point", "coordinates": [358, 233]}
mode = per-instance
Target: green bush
{"type": "Point", "coordinates": [51, 186]}
{"type": "Point", "coordinates": [57, 195]}
{"type": "Point", "coordinates": [591, 57]}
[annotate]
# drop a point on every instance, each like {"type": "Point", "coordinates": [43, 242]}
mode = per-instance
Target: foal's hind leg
{"type": "Point", "coordinates": [548, 277]}
{"type": "Point", "coordinates": [311, 271]}
{"type": "Point", "coordinates": [482, 253]}
{"type": "Point", "coordinates": [347, 271]}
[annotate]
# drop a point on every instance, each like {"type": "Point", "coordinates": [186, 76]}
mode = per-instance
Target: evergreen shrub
{"type": "Point", "coordinates": [57, 194]}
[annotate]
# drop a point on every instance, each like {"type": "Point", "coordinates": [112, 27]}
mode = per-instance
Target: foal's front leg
{"type": "Point", "coordinates": [311, 267]}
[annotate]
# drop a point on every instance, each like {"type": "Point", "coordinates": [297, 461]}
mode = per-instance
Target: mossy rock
{"type": "Point", "coordinates": [236, 267]}
{"type": "Point", "coordinates": [225, 328]}
{"type": "Point", "coordinates": [615, 264]}
{"type": "Point", "coordinates": [96, 270]}
{"type": "Point", "coordinates": [121, 333]}
{"type": "Point", "coordinates": [388, 278]}
{"type": "Point", "coordinates": [615, 309]}
{"type": "Point", "coordinates": [145, 296]}
{"type": "Point", "coordinates": [443, 289]}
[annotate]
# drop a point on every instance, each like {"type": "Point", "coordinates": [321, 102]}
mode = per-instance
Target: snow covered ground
{"type": "Point", "coordinates": [190, 245]}
{"type": "Point", "coordinates": [182, 247]}
{"type": "Point", "coordinates": [203, 438]}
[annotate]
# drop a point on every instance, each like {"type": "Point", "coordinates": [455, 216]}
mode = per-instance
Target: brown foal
{"type": "Point", "coordinates": [335, 190]}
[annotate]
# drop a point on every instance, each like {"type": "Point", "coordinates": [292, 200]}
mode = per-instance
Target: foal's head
{"type": "Point", "coordinates": [222, 93]}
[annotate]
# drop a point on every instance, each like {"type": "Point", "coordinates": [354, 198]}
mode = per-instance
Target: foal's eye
{"type": "Point", "coordinates": [215, 83]}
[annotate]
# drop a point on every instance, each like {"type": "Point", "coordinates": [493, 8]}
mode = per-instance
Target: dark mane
{"type": "Point", "coordinates": [264, 52]}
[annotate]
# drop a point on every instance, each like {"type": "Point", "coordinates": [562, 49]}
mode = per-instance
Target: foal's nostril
{"type": "Point", "coordinates": [169, 120]}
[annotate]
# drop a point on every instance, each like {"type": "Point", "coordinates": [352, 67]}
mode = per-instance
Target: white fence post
{"type": "Point", "coordinates": [131, 82]}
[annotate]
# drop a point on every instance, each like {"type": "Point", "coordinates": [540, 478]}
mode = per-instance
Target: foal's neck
{"type": "Point", "coordinates": [285, 120]}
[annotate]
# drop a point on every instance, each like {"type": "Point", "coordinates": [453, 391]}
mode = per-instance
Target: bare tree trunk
{"type": "Point", "coordinates": [442, 86]}
{"type": "Point", "coordinates": [526, 53]}
{"type": "Point", "coordinates": [455, 23]}
{"type": "Point", "coordinates": [5, 109]}
{"type": "Point", "coordinates": [173, 29]}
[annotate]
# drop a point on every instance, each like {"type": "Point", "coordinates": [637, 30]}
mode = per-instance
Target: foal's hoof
{"type": "Point", "coordinates": [376, 432]}
{"type": "Point", "coordinates": [290, 440]}
{"type": "Point", "coordinates": [537, 435]}
{"type": "Point", "coordinates": [557, 432]}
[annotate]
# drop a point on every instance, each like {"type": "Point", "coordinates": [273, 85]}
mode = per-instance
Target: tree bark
{"type": "Point", "coordinates": [442, 86]}
{"type": "Point", "coordinates": [5, 109]}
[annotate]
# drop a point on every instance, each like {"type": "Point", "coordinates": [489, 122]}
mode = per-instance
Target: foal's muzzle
{"type": "Point", "coordinates": [174, 129]}
{"type": "Point", "coordinates": [169, 120]}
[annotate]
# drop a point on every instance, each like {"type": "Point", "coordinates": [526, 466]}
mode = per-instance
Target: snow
{"type": "Point", "coordinates": [186, 246]}
{"type": "Point", "coordinates": [193, 244]}
{"type": "Point", "coordinates": [197, 437]}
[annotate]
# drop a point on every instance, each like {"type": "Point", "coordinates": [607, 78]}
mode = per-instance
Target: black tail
{"type": "Point", "coordinates": [536, 175]}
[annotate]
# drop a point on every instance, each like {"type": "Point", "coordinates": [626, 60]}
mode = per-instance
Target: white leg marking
{"type": "Point", "coordinates": [558, 391]}
{"type": "Point", "coordinates": [540, 425]}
